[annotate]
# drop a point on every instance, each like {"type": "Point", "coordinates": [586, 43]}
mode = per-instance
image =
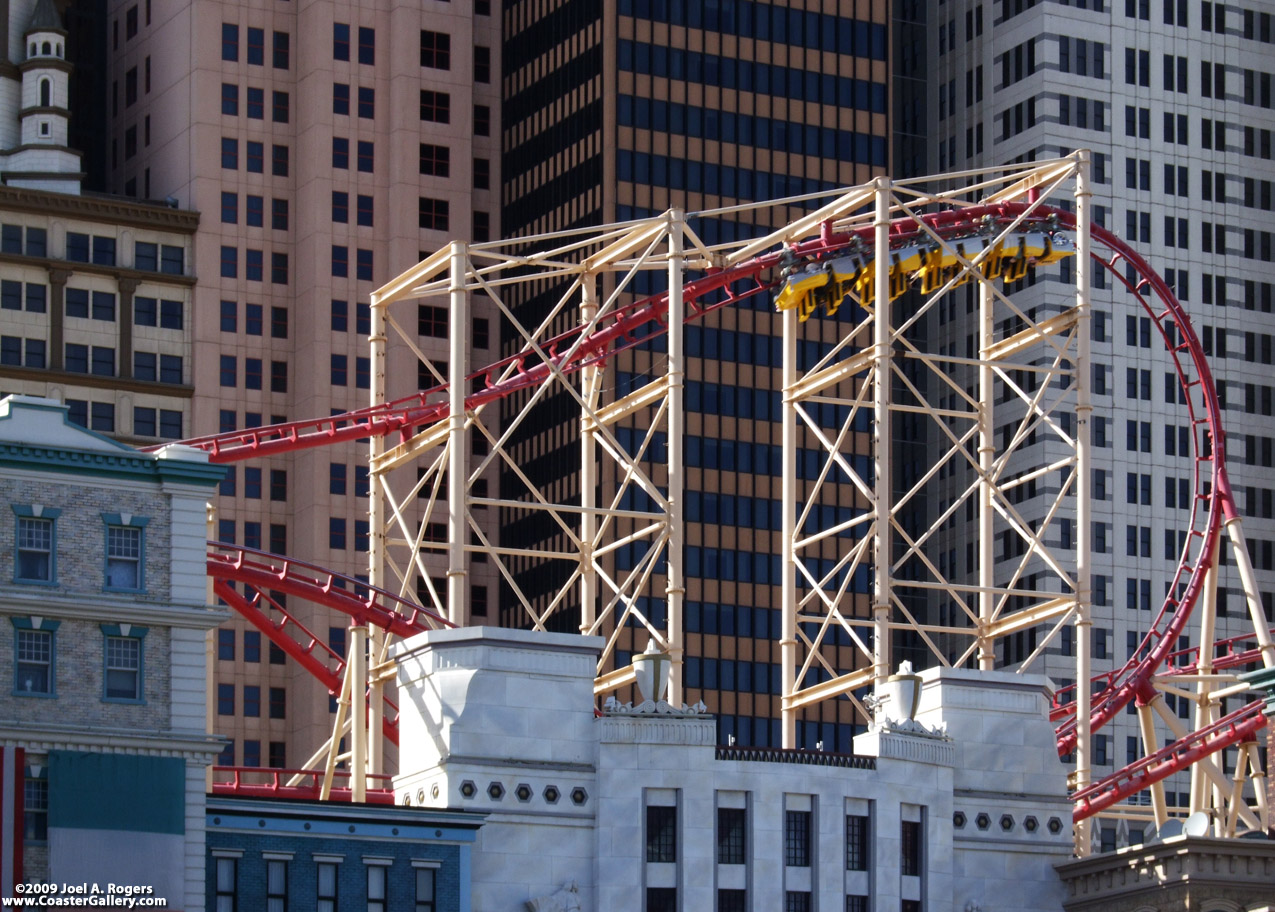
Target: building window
{"type": "Point", "coordinates": [482, 64]}
{"type": "Point", "coordinates": [424, 889]}
{"type": "Point", "coordinates": [732, 901]}
{"type": "Point", "coordinates": [434, 214]}
{"type": "Point", "coordinates": [229, 154]}
{"type": "Point", "coordinates": [857, 842]}
{"type": "Point", "coordinates": [367, 103]}
{"type": "Point", "coordinates": [35, 810]}
{"type": "Point", "coordinates": [436, 107]}
{"type": "Point", "coordinates": [435, 160]}
{"type": "Point", "coordinates": [326, 882]}
{"type": "Point", "coordinates": [229, 262]}
{"type": "Point", "coordinates": [436, 50]}
{"type": "Point", "coordinates": [366, 158]}
{"type": "Point", "coordinates": [340, 98]}
{"type": "Point", "coordinates": [254, 155]}
{"type": "Point", "coordinates": [340, 261]}
{"type": "Point", "coordinates": [797, 901]}
{"type": "Point", "coordinates": [279, 107]}
{"type": "Point", "coordinates": [797, 839]}
{"type": "Point", "coordinates": [367, 46]}
{"type": "Point", "coordinates": [376, 888]}
{"type": "Point", "coordinates": [278, 703]}
{"type": "Point", "coordinates": [340, 41]}
{"type": "Point", "coordinates": [910, 863]}
{"type": "Point", "coordinates": [482, 173]}
{"type": "Point", "coordinates": [363, 264]}
{"type": "Point", "coordinates": [281, 51]}
{"type": "Point", "coordinates": [340, 152]}
{"type": "Point", "coordinates": [36, 560]}
{"type": "Point", "coordinates": [124, 554]}
{"type": "Point", "coordinates": [661, 899]}
{"type": "Point", "coordinates": [278, 272]}
{"type": "Point", "coordinates": [229, 42]}
{"type": "Point", "coordinates": [227, 895]}
{"type": "Point", "coordinates": [226, 645]}
{"type": "Point", "coordinates": [279, 214]}
{"type": "Point", "coordinates": [279, 160]}
{"type": "Point", "coordinates": [256, 46]}
{"type": "Point", "coordinates": [856, 903]}
{"type": "Point", "coordinates": [731, 839]}
{"type": "Point", "coordinates": [122, 657]}
{"type": "Point", "coordinates": [482, 120]}
{"type": "Point", "coordinates": [225, 699]}
{"type": "Point", "coordinates": [251, 752]}
{"type": "Point", "coordinates": [364, 213]}
{"type": "Point", "coordinates": [276, 869]}
{"type": "Point", "coordinates": [252, 701]}
{"type": "Point", "coordinates": [229, 99]}
{"type": "Point", "coordinates": [661, 834]}
{"type": "Point", "coordinates": [34, 654]}
{"type": "Point", "coordinates": [255, 103]}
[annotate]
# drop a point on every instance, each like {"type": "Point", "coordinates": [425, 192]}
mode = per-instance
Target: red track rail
{"type": "Point", "coordinates": [261, 782]}
{"type": "Point", "coordinates": [270, 575]}
{"type": "Point", "coordinates": [572, 350]}
{"type": "Point", "coordinates": [1236, 728]}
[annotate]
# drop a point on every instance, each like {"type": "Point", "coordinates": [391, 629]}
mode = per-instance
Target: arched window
{"type": "Point", "coordinates": [47, 49]}
{"type": "Point", "coordinates": [33, 49]}
{"type": "Point", "coordinates": [59, 49]}
{"type": "Point", "coordinates": [46, 93]}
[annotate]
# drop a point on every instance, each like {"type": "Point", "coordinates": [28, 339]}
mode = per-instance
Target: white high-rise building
{"type": "Point", "coordinates": [1174, 100]}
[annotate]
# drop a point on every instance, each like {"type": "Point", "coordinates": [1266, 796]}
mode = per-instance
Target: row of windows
{"type": "Point", "coordinates": [251, 647]}
{"type": "Point", "coordinates": [253, 485]}
{"type": "Point", "coordinates": [227, 421]}
{"type": "Point", "coordinates": [252, 535]}
{"type": "Point", "coordinates": [750, 19]}
{"type": "Point", "coordinates": [363, 262]}
{"type": "Point", "coordinates": [341, 43]}
{"type": "Point", "coordinates": [35, 661]}
{"type": "Point", "coordinates": [254, 211]}
{"type": "Point", "coordinates": [255, 46]}
{"type": "Point", "coordinates": [100, 250]}
{"type": "Point", "coordinates": [328, 884]}
{"type": "Point", "coordinates": [254, 103]}
{"type": "Point", "coordinates": [436, 107]}
{"type": "Point", "coordinates": [277, 704]}
{"type": "Point", "coordinates": [277, 758]}
{"type": "Point", "coordinates": [723, 180]}
{"type": "Point", "coordinates": [36, 240]}
{"type": "Point", "coordinates": [254, 319]}
{"type": "Point", "coordinates": [35, 555]}
{"type": "Point", "coordinates": [365, 154]}
{"type": "Point", "coordinates": [253, 373]}
{"type": "Point", "coordinates": [254, 265]}
{"type": "Point", "coordinates": [751, 76]}
{"type": "Point", "coordinates": [147, 422]}
{"type": "Point", "coordinates": [747, 130]}
{"type": "Point", "coordinates": [254, 157]}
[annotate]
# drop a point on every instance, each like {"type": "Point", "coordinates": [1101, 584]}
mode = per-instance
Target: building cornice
{"type": "Point", "coordinates": [93, 381]}
{"type": "Point", "coordinates": [108, 465]}
{"type": "Point", "coordinates": [46, 63]}
{"type": "Point", "coordinates": [103, 607]}
{"type": "Point", "coordinates": [116, 272]}
{"type": "Point", "coordinates": [44, 737]}
{"type": "Point", "coordinates": [108, 209]}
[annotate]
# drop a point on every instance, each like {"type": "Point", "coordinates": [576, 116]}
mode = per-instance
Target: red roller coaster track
{"type": "Point", "coordinates": [632, 324]}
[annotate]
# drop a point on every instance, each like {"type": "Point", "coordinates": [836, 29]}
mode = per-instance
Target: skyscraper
{"type": "Point", "coordinates": [1174, 100]}
{"type": "Point", "coordinates": [327, 147]}
{"type": "Point", "coordinates": [613, 113]}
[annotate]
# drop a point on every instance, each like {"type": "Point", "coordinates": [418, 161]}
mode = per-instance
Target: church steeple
{"type": "Point", "coordinates": [42, 158]}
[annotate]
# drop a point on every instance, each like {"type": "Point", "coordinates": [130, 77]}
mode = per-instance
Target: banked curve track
{"type": "Point", "coordinates": [1212, 504]}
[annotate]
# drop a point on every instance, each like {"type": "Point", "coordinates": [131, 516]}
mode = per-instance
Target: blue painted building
{"type": "Point", "coordinates": [274, 855]}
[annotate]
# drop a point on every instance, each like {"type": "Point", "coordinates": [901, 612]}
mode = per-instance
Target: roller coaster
{"type": "Point", "coordinates": [1030, 371]}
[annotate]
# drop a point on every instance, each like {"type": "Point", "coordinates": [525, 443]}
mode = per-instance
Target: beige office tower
{"type": "Point", "coordinates": [327, 147]}
{"type": "Point", "coordinates": [615, 111]}
{"type": "Point", "coordinates": [1174, 100]}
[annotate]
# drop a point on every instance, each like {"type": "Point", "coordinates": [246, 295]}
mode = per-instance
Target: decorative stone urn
{"type": "Point", "coordinates": [902, 693]}
{"type": "Point", "coordinates": [652, 669]}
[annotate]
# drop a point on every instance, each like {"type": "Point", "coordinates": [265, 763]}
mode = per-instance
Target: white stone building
{"type": "Point", "coordinates": [636, 809]}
